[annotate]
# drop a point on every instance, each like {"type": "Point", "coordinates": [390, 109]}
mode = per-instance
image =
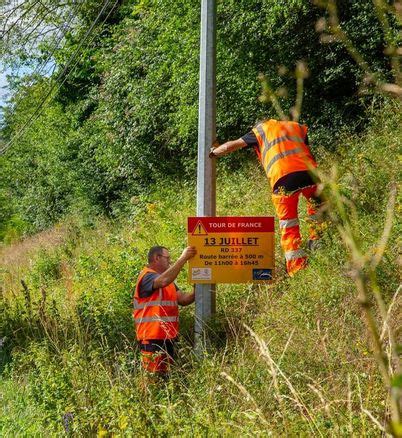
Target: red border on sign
{"type": "Point", "coordinates": [235, 224]}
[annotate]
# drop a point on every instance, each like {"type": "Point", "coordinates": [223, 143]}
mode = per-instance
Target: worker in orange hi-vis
{"type": "Point", "coordinates": [283, 150]}
{"type": "Point", "coordinates": [156, 313]}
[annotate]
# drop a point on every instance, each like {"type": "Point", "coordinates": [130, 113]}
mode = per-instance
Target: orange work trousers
{"type": "Point", "coordinates": [157, 355]}
{"type": "Point", "coordinates": [286, 210]}
{"type": "Point", "coordinates": [156, 362]}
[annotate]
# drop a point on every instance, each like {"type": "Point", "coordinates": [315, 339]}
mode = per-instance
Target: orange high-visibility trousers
{"type": "Point", "coordinates": [157, 355]}
{"type": "Point", "coordinates": [156, 362]}
{"type": "Point", "coordinates": [286, 210]}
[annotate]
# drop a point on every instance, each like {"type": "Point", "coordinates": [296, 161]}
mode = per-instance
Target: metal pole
{"type": "Point", "coordinates": [206, 187]}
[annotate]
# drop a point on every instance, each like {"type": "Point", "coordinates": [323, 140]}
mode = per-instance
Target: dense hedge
{"type": "Point", "coordinates": [128, 112]}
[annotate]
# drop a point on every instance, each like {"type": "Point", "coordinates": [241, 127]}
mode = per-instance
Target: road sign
{"type": "Point", "coordinates": [231, 249]}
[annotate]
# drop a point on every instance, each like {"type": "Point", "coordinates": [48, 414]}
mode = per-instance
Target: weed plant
{"type": "Point", "coordinates": [291, 359]}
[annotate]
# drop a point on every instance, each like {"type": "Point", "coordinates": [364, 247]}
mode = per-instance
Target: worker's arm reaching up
{"type": "Point", "coordinates": [227, 148]}
{"type": "Point", "coordinates": [170, 274]}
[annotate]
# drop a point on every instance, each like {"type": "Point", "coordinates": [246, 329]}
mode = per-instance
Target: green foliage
{"type": "Point", "coordinates": [46, 270]}
{"type": "Point", "coordinates": [127, 112]}
{"type": "Point", "coordinates": [37, 169]}
{"type": "Point", "coordinates": [12, 226]}
{"type": "Point", "coordinates": [70, 355]}
{"type": "Point", "coordinates": [118, 137]}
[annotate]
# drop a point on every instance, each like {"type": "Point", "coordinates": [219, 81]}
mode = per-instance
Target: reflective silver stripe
{"type": "Point", "coordinates": [287, 223]}
{"type": "Point", "coordinates": [294, 138]}
{"type": "Point", "coordinates": [315, 217]}
{"type": "Point", "coordinates": [157, 319]}
{"type": "Point", "coordinates": [297, 254]}
{"type": "Point", "coordinates": [154, 303]}
{"type": "Point", "coordinates": [281, 155]}
{"type": "Point", "coordinates": [268, 144]}
{"type": "Point", "coordinates": [264, 140]}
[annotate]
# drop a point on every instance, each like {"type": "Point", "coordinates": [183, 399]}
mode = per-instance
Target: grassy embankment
{"type": "Point", "coordinates": [68, 357]}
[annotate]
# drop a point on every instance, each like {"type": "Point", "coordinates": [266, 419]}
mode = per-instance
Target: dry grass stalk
{"type": "Point", "coordinates": [18, 254]}
{"type": "Point", "coordinates": [364, 275]}
{"type": "Point", "coordinates": [375, 421]}
{"type": "Point", "coordinates": [383, 10]}
{"type": "Point", "coordinates": [362, 416]}
{"type": "Point", "coordinates": [323, 339]}
{"type": "Point", "coordinates": [337, 34]}
{"type": "Point", "coordinates": [286, 346]}
{"type": "Point", "coordinates": [385, 327]}
{"type": "Point", "coordinates": [248, 397]}
{"type": "Point", "coordinates": [275, 372]}
{"type": "Point", "coordinates": [301, 73]}
{"type": "Point", "coordinates": [350, 410]}
{"type": "Point", "coordinates": [325, 404]}
{"type": "Point", "coordinates": [269, 95]}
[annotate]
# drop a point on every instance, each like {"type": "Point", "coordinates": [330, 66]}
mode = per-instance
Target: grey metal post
{"type": "Point", "coordinates": [206, 188]}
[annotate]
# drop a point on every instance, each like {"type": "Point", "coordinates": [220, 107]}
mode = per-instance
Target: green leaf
{"type": "Point", "coordinates": [396, 381]}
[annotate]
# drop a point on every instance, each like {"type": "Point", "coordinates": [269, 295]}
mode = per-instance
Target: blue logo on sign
{"type": "Point", "coordinates": [262, 274]}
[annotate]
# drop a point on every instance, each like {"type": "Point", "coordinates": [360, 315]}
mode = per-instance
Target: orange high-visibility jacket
{"type": "Point", "coordinates": [282, 148]}
{"type": "Point", "coordinates": [156, 316]}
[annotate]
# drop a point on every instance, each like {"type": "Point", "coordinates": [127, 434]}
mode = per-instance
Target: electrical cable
{"type": "Point", "coordinates": [37, 112]}
{"type": "Point", "coordinates": [63, 31]}
{"type": "Point", "coordinates": [59, 38]}
{"type": "Point", "coordinates": [40, 34]}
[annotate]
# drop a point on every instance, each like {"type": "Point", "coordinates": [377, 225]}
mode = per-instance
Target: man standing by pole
{"type": "Point", "coordinates": [283, 150]}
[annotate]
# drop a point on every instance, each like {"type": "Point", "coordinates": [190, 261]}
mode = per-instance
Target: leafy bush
{"type": "Point", "coordinates": [127, 113]}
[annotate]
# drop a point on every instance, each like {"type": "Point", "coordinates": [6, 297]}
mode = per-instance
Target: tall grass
{"type": "Point", "coordinates": [292, 358]}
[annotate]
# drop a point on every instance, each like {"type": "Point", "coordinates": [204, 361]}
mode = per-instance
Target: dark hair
{"type": "Point", "coordinates": [155, 250]}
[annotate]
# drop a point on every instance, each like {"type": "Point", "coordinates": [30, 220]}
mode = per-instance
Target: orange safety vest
{"type": "Point", "coordinates": [282, 148]}
{"type": "Point", "coordinates": [156, 316]}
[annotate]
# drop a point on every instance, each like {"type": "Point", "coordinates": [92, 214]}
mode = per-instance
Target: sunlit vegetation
{"type": "Point", "coordinates": [106, 168]}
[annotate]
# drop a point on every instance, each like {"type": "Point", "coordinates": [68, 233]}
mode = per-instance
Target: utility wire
{"type": "Point", "coordinates": [64, 73]}
{"type": "Point", "coordinates": [38, 35]}
{"type": "Point", "coordinates": [74, 10]}
{"type": "Point", "coordinates": [63, 31]}
{"type": "Point", "coordinates": [4, 32]}
{"type": "Point", "coordinates": [39, 70]}
{"type": "Point", "coordinates": [13, 10]}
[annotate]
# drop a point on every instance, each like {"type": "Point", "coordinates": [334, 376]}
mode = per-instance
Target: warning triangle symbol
{"type": "Point", "coordinates": [199, 230]}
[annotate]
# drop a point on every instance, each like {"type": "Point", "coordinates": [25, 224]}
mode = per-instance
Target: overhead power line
{"type": "Point", "coordinates": [63, 75]}
{"type": "Point", "coordinates": [30, 21]}
{"type": "Point", "coordinates": [59, 36]}
{"type": "Point", "coordinates": [63, 30]}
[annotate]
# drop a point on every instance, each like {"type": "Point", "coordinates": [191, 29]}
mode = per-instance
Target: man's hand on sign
{"type": "Point", "coordinates": [172, 272]}
{"type": "Point", "coordinates": [188, 253]}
